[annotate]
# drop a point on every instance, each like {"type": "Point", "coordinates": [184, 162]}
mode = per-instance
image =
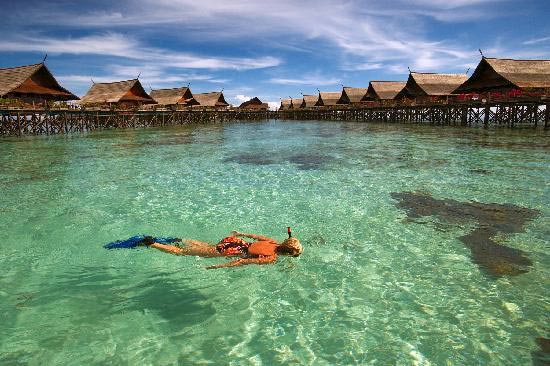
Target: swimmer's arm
{"type": "Point", "coordinates": [254, 236]}
{"type": "Point", "coordinates": [167, 248]}
{"type": "Point", "coordinates": [245, 261]}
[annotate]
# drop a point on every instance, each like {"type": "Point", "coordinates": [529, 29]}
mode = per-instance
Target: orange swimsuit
{"type": "Point", "coordinates": [232, 246]}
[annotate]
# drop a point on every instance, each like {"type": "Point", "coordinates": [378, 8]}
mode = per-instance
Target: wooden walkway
{"type": "Point", "coordinates": [506, 114]}
{"type": "Point", "coordinates": [49, 122]}
{"type": "Point", "coordinates": [44, 122]}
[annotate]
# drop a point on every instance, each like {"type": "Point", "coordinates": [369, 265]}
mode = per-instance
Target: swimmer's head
{"type": "Point", "coordinates": [291, 246]}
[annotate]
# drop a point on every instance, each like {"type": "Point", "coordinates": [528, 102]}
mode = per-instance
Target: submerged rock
{"type": "Point", "coordinates": [491, 218]}
{"type": "Point", "coordinates": [541, 357]}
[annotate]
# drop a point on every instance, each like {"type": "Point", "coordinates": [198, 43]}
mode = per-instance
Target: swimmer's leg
{"type": "Point", "coordinates": [192, 247]}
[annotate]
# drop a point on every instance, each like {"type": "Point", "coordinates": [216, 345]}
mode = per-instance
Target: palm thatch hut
{"type": "Point", "coordinates": [32, 84]}
{"type": "Point", "coordinates": [508, 76]}
{"type": "Point", "coordinates": [254, 104]}
{"type": "Point", "coordinates": [212, 100]}
{"type": "Point", "coordinates": [328, 99]}
{"type": "Point", "coordinates": [297, 103]}
{"type": "Point", "coordinates": [285, 104]}
{"type": "Point", "coordinates": [352, 95]}
{"type": "Point", "coordinates": [122, 94]}
{"type": "Point", "coordinates": [430, 86]}
{"type": "Point", "coordinates": [174, 98]}
{"type": "Point", "coordinates": [383, 90]}
{"type": "Point", "coordinates": [310, 101]}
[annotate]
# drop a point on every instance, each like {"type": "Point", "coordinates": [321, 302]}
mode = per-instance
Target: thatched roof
{"type": "Point", "coordinates": [494, 73]}
{"type": "Point", "coordinates": [352, 95]}
{"type": "Point", "coordinates": [32, 79]}
{"type": "Point", "coordinates": [213, 99]}
{"type": "Point", "coordinates": [285, 104]}
{"type": "Point", "coordinates": [174, 96]}
{"type": "Point", "coordinates": [310, 100]}
{"type": "Point", "coordinates": [117, 92]}
{"type": "Point", "coordinates": [328, 98]}
{"type": "Point", "coordinates": [430, 84]}
{"type": "Point", "coordinates": [297, 103]}
{"type": "Point", "coordinates": [254, 103]}
{"type": "Point", "coordinates": [384, 90]}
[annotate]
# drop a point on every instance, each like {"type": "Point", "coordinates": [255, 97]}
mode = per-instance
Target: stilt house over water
{"type": "Point", "coordinates": [507, 77]}
{"type": "Point", "coordinates": [383, 90]}
{"type": "Point", "coordinates": [430, 87]}
{"type": "Point", "coordinates": [122, 94]}
{"type": "Point", "coordinates": [297, 103]}
{"type": "Point", "coordinates": [174, 98]}
{"type": "Point", "coordinates": [285, 104]}
{"type": "Point", "coordinates": [352, 96]}
{"type": "Point", "coordinates": [254, 104]}
{"type": "Point", "coordinates": [310, 101]}
{"type": "Point", "coordinates": [328, 99]}
{"type": "Point", "coordinates": [32, 85]}
{"type": "Point", "coordinates": [212, 100]}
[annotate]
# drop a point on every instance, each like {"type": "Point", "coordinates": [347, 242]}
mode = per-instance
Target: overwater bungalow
{"type": "Point", "coordinates": [297, 103]}
{"type": "Point", "coordinates": [423, 87]}
{"type": "Point", "coordinates": [285, 104]}
{"type": "Point", "coordinates": [31, 85]}
{"type": "Point", "coordinates": [328, 99]}
{"type": "Point", "coordinates": [254, 104]}
{"type": "Point", "coordinates": [310, 101]}
{"type": "Point", "coordinates": [383, 90]}
{"type": "Point", "coordinates": [121, 94]}
{"type": "Point", "coordinates": [175, 98]}
{"type": "Point", "coordinates": [212, 100]}
{"type": "Point", "coordinates": [508, 78]}
{"type": "Point", "coordinates": [352, 96]}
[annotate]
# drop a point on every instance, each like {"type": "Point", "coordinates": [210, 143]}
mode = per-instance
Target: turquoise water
{"type": "Point", "coordinates": [373, 286]}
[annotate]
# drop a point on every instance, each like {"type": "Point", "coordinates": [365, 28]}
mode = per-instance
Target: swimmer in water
{"type": "Point", "coordinates": [262, 250]}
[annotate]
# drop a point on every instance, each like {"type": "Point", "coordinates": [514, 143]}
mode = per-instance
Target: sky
{"type": "Point", "coordinates": [269, 49]}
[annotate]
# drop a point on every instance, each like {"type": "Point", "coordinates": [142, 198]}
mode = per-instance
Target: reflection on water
{"type": "Point", "coordinates": [491, 219]}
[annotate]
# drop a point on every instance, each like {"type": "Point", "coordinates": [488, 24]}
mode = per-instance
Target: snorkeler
{"type": "Point", "coordinates": [262, 250]}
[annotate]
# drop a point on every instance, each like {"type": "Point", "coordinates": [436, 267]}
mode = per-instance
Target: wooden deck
{"type": "Point", "coordinates": [497, 114]}
{"type": "Point", "coordinates": [50, 122]}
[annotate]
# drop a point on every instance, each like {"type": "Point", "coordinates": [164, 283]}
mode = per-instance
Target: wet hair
{"type": "Point", "coordinates": [292, 247]}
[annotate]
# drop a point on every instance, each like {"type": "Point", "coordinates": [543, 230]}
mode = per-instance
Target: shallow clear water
{"type": "Point", "coordinates": [372, 286]}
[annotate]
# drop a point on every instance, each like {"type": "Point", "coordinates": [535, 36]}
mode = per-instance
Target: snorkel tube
{"type": "Point", "coordinates": [289, 232]}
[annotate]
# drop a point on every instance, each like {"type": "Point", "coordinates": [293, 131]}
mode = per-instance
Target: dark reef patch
{"type": "Point", "coordinates": [541, 357]}
{"type": "Point", "coordinates": [302, 161]}
{"type": "Point", "coordinates": [309, 161]}
{"type": "Point", "coordinates": [491, 218]}
{"type": "Point", "coordinates": [251, 159]}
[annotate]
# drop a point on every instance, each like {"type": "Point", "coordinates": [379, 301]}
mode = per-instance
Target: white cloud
{"type": "Point", "coordinates": [274, 105]}
{"type": "Point", "coordinates": [119, 45]}
{"type": "Point", "coordinates": [537, 40]}
{"type": "Point", "coordinates": [240, 98]}
{"type": "Point", "coordinates": [310, 79]}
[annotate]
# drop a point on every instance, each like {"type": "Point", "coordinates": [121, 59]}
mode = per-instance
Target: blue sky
{"type": "Point", "coordinates": [270, 49]}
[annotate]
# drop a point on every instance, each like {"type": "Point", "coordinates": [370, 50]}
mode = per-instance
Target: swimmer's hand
{"type": "Point", "coordinates": [234, 263]}
{"type": "Point", "coordinates": [235, 233]}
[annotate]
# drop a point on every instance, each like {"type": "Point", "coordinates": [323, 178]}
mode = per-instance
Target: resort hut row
{"type": "Point", "coordinates": [31, 85]}
{"type": "Point", "coordinates": [131, 94]}
{"type": "Point", "coordinates": [493, 78]}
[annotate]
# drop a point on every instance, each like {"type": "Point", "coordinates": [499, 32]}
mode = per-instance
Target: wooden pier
{"type": "Point", "coordinates": [50, 122]}
{"type": "Point", "coordinates": [498, 114]}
